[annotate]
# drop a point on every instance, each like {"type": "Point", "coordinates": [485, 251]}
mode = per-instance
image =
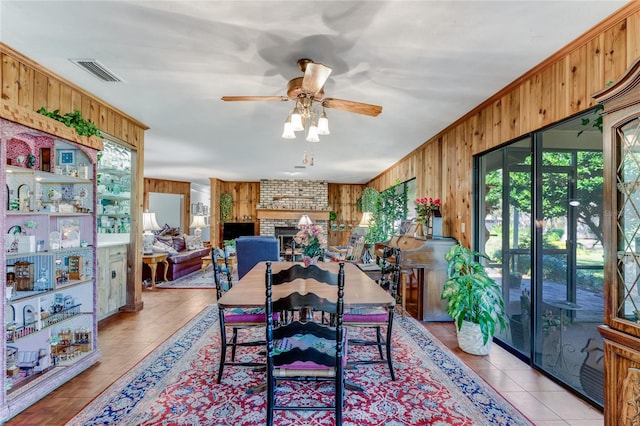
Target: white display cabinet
{"type": "Point", "coordinates": [49, 236]}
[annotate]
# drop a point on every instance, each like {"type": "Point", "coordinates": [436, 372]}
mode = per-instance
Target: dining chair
{"type": "Point", "coordinates": [253, 249]}
{"type": "Point", "coordinates": [236, 319]}
{"type": "Point", "coordinates": [378, 317]}
{"type": "Point", "coordinates": [305, 349]}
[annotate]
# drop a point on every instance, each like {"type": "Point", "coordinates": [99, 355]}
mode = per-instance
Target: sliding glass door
{"type": "Point", "coordinates": [539, 208]}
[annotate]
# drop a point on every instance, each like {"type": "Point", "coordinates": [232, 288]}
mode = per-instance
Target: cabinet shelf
{"type": "Point", "coordinates": [16, 255]}
{"type": "Point", "coordinates": [49, 214]}
{"type": "Point", "coordinates": [112, 171]}
{"type": "Point", "coordinates": [114, 197]}
{"type": "Point", "coordinates": [21, 332]}
{"type": "Point", "coordinates": [46, 177]}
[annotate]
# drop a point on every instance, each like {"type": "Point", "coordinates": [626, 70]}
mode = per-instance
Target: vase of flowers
{"type": "Point", "coordinates": [425, 209]}
{"type": "Point", "coordinates": [311, 239]}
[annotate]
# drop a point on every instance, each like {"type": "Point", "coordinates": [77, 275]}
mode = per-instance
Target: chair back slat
{"type": "Point", "coordinates": [301, 272]}
{"type": "Point", "coordinates": [296, 301]}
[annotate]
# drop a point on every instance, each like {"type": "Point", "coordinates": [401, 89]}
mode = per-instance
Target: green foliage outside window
{"type": "Point", "coordinates": [390, 208]}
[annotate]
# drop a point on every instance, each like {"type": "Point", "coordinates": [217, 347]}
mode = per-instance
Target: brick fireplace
{"type": "Point", "coordinates": [282, 202]}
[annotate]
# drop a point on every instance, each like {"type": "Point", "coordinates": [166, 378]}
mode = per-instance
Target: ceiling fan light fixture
{"type": "Point", "coordinates": [312, 135]}
{"type": "Point", "coordinates": [287, 132]}
{"type": "Point", "coordinates": [323, 124]}
{"type": "Point", "coordinates": [296, 120]}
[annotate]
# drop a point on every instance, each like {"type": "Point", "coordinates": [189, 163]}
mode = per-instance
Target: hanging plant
{"type": "Point", "coordinates": [226, 202]}
{"type": "Point", "coordinates": [73, 119]}
{"type": "Point", "coordinates": [369, 200]}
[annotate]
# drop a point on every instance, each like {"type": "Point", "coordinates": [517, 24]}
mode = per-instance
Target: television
{"type": "Point", "coordinates": [233, 230]}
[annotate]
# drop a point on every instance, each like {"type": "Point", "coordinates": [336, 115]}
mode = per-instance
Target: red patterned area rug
{"type": "Point", "coordinates": [175, 385]}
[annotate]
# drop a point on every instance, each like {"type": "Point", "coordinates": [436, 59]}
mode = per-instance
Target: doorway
{"type": "Point", "coordinates": [539, 209]}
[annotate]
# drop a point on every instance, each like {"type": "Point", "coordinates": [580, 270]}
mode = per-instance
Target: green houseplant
{"type": "Point", "coordinates": [475, 301]}
{"type": "Point", "coordinates": [226, 201]}
{"type": "Point", "coordinates": [73, 119]}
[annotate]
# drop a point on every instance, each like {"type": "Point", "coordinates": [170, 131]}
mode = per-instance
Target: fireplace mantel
{"type": "Point", "coordinates": [292, 214]}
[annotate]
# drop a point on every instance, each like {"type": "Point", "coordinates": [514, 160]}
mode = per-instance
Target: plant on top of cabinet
{"type": "Point", "coordinates": [73, 119]}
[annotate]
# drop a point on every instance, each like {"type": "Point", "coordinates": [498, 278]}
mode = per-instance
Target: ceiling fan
{"type": "Point", "coordinates": [307, 91]}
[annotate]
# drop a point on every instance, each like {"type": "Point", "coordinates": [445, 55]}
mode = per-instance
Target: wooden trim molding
{"type": "Point", "coordinates": [291, 214]}
{"type": "Point", "coordinates": [45, 124]}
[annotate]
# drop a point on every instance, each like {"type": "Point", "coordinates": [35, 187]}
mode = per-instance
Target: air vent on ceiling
{"type": "Point", "coordinates": [299, 167]}
{"type": "Point", "coordinates": [98, 70]}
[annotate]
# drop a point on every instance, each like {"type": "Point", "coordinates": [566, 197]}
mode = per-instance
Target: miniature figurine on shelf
{"type": "Point", "coordinates": [42, 283]}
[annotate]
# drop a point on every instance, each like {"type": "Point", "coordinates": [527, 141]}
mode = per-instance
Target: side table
{"type": "Point", "coordinates": [152, 260]}
{"type": "Point", "coordinates": [206, 261]}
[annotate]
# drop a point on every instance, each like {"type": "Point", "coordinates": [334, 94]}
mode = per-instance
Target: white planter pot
{"type": "Point", "coordinates": [470, 339]}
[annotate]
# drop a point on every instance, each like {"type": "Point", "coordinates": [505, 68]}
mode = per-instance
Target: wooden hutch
{"type": "Point", "coordinates": [621, 230]}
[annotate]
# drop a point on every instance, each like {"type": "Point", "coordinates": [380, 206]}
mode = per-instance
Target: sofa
{"type": "Point", "coordinates": [185, 254]}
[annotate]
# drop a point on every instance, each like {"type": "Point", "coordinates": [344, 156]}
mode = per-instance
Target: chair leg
{"type": "Point", "coordinates": [270, 400]}
{"type": "Point", "coordinates": [234, 344]}
{"type": "Point", "coordinates": [339, 397]}
{"type": "Point", "coordinates": [379, 339]}
{"type": "Point", "coordinates": [388, 345]}
{"type": "Point", "coordinates": [223, 349]}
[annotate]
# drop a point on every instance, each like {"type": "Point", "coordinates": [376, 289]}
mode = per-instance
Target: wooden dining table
{"type": "Point", "coordinates": [359, 289]}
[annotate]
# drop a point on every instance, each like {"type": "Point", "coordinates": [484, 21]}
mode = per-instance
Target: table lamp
{"type": "Point", "coordinates": [149, 224]}
{"type": "Point", "coordinates": [366, 218]}
{"type": "Point", "coordinates": [304, 221]}
{"type": "Point", "coordinates": [198, 222]}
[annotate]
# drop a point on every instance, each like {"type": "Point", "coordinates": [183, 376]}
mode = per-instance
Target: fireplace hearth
{"type": "Point", "coordinates": [285, 234]}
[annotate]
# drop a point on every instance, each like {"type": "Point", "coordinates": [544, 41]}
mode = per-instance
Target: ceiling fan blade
{"type": "Point", "coordinates": [315, 75]}
{"type": "Point", "coordinates": [356, 107]}
{"type": "Point", "coordinates": [254, 98]}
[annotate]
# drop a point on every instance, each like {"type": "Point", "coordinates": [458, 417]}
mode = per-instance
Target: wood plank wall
{"type": "Point", "coordinates": [558, 88]}
{"type": "Point", "coordinates": [165, 186]}
{"type": "Point", "coordinates": [245, 196]}
{"type": "Point", "coordinates": [342, 201]}
{"type": "Point", "coordinates": [27, 85]}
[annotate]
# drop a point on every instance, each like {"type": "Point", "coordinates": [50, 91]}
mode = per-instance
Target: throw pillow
{"type": "Point", "coordinates": [166, 230]}
{"type": "Point", "coordinates": [160, 247]}
{"type": "Point", "coordinates": [165, 239]}
{"type": "Point", "coordinates": [193, 242]}
{"type": "Point", "coordinates": [179, 243]}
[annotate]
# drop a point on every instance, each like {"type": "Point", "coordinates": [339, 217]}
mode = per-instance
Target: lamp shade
{"type": "Point", "coordinates": [287, 132]}
{"type": "Point", "coordinates": [304, 221]}
{"type": "Point", "coordinates": [323, 124]}
{"type": "Point", "coordinates": [366, 218]}
{"type": "Point", "coordinates": [198, 222]}
{"type": "Point", "coordinates": [149, 222]}
{"type": "Point", "coordinates": [296, 120]}
{"type": "Point", "coordinates": [312, 135]}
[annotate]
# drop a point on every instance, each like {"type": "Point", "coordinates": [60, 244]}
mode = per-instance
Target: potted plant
{"type": "Point", "coordinates": [474, 300]}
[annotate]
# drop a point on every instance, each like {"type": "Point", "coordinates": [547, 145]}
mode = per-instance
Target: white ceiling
{"type": "Point", "coordinates": [425, 62]}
